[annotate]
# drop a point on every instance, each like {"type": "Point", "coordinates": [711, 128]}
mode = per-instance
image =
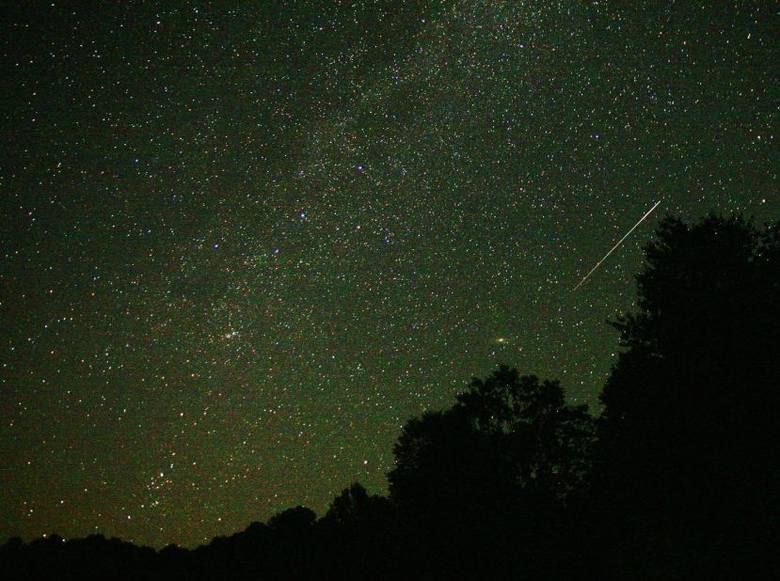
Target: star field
{"type": "Point", "coordinates": [243, 243]}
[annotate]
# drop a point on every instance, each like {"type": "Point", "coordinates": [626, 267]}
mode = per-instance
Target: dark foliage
{"type": "Point", "coordinates": [484, 484]}
{"type": "Point", "coordinates": [686, 459]}
{"type": "Point", "coordinates": [677, 479]}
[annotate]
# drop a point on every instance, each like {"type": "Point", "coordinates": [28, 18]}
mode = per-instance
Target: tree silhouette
{"type": "Point", "coordinates": [489, 477]}
{"type": "Point", "coordinates": [293, 521]}
{"type": "Point", "coordinates": [686, 459]}
{"type": "Point", "coordinates": [548, 441]}
{"type": "Point", "coordinates": [359, 536]}
{"type": "Point", "coordinates": [506, 436]}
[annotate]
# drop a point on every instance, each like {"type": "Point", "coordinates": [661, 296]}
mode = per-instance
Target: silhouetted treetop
{"type": "Point", "coordinates": [354, 504]}
{"type": "Point", "coordinates": [709, 310]}
{"type": "Point", "coordinates": [686, 461]}
{"type": "Point", "coordinates": [293, 520]}
{"type": "Point", "coordinates": [707, 274]}
{"type": "Point", "coordinates": [504, 436]}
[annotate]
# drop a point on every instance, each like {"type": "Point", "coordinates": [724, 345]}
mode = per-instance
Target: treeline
{"type": "Point", "coordinates": [676, 479]}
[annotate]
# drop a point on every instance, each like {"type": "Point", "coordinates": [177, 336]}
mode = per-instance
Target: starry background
{"type": "Point", "coordinates": [244, 242]}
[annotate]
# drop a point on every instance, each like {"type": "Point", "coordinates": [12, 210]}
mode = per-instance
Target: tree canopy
{"type": "Point", "coordinates": [686, 435]}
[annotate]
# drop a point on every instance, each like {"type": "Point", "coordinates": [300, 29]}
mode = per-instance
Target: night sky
{"type": "Point", "coordinates": [243, 242]}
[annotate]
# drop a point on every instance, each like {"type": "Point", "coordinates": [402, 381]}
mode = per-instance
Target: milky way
{"type": "Point", "coordinates": [243, 243]}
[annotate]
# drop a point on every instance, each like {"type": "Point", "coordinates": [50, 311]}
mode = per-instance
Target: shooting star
{"type": "Point", "coordinates": [619, 242]}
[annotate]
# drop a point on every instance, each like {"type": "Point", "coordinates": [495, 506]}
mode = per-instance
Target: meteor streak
{"type": "Point", "coordinates": [619, 242]}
